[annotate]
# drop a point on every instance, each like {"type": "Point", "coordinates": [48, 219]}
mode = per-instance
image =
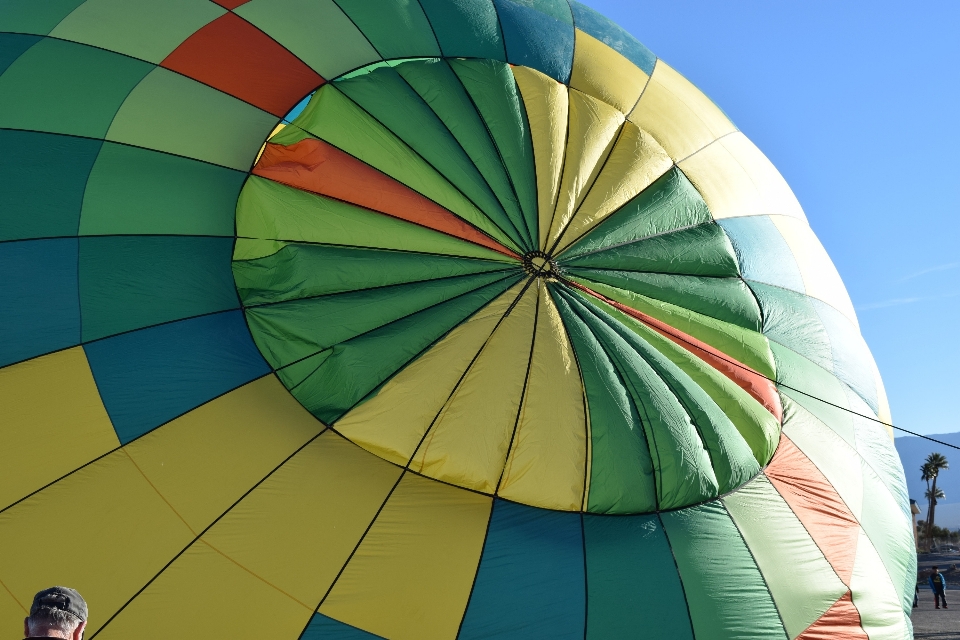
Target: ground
{"type": "Point", "coordinates": [928, 622]}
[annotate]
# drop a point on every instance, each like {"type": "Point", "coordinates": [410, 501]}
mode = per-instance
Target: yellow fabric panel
{"type": "Point", "coordinates": [594, 126]}
{"type": "Point", "coordinates": [392, 423]}
{"type": "Point", "coordinates": [12, 610]}
{"type": "Point", "coordinates": [547, 462]}
{"type": "Point", "coordinates": [225, 446]}
{"type": "Point", "coordinates": [545, 101]}
{"type": "Point", "coordinates": [53, 396]}
{"type": "Point", "coordinates": [820, 277]}
{"type": "Point", "coordinates": [605, 74]}
{"type": "Point", "coordinates": [205, 595]}
{"type": "Point", "coordinates": [277, 129]}
{"type": "Point", "coordinates": [297, 529]}
{"type": "Point", "coordinates": [736, 179]}
{"type": "Point", "coordinates": [635, 162]}
{"type": "Point", "coordinates": [874, 596]}
{"type": "Point", "coordinates": [117, 534]}
{"type": "Point", "coordinates": [468, 443]}
{"type": "Point", "coordinates": [411, 577]}
{"type": "Point", "coordinates": [677, 114]}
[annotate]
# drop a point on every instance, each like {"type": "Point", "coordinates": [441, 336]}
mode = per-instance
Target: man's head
{"type": "Point", "coordinates": [57, 612]}
{"type": "Point", "coordinates": [934, 568]}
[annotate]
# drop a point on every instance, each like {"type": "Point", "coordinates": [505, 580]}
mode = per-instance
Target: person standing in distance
{"type": "Point", "coordinates": [939, 586]}
{"type": "Point", "coordinates": [57, 612]}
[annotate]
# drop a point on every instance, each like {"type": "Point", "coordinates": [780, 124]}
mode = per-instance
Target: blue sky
{"type": "Point", "coordinates": [858, 105]}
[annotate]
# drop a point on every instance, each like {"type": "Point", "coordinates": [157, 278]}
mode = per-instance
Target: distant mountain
{"type": "Point", "coordinates": [913, 451]}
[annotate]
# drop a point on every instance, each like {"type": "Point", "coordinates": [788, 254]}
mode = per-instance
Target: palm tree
{"type": "Point", "coordinates": [932, 466]}
{"type": "Point", "coordinates": [926, 474]}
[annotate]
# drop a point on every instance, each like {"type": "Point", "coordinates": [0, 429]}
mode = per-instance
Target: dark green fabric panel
{"type": "Point", "coordinates": [63, 87]}
{"type": "Point", "coordinates": [466, 28]}
{"type": "Point", "coordinates": [439, 87]}
{"type": "Point", "coordinates": [139, 191]}
{"type": "Point", "coordinates": [12, 46]}
{"type": "Point", "coordinates": [683, 470]}
{"type": "Point", "coordinates": [42, 177]}
{"type": "Point", "coordinates": [384, 94]}
{"type": "Point", "coordinates": [395, 29]}
{"type": "Point", "coordinates": [732, 460]}
{"type": "Point", "coordinates": [292, 375]}
{"type": "Point", "coordinates": [360, 365]}
{"type": "Point", "coordinates": [670, 203]}
{"type": "Point", "coordinates": [34, 16]}
{"type": "Point", "coordinates": [622, 471]}
{"type": "Point", "coordinates": [632, 582]}
{"type": "Point", "coordinates": [726, 299]}
{"type": "Point", "coordinates": [494, 91]}
{"type": "Point", "coordinates": [703, 250]}
{"type": "Point", "coordinates": [726, 593]}
{"type": "Point", "coordinates": [301, 271]}
{"type": "Point", "coordinates": [129, 282]}
{"type": "Point", "coordinates": [289, 331]}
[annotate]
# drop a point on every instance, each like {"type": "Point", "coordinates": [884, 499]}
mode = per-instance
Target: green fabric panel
{"type": "Point", "coordinates": [292, 375]}
{"type": "Point", "coordinates": [494, 92]}
{"type": "Point", "coordinates": [726, 594]}
{"type": "Point", "coordinates": [684, 474]}
{"type": "Point", "coordinates": [253, 249]}
{"type": "Point", "coordinates": [316, 31]}
{"type": "Point", "coordinates": [622, 472]}
{"type": "Point", "coordinates": [299, 271]}
{"type": "Point", "coordinates": [800, 373]}
{"type": "Point", "coordinates": [466, 28]}
{"type": "Point", "coordinates": [12, 46]}
{"type": "Point", "coordinates": [670, 203]}
{"type": "Point", "coordinates": [748, 347]}
{"type": "Point", "coordinates": [144, 29]}
{"type": "Point", "coordinates": [271, 210]}
{"type": "Point", "coordinates": [333, 117]}
{"type": "Point", "coordinates": [703, 250]}
{"type": "Point", "coordinates": [728, 300]}
{"type": "Point", "coordinates": [360, 365]}
{"type": "Point", "coordinates": [42, 177]}
{"type": "Point", "coordinates": [730, 457]}
{"type": "Point", "coordinates": [30, 16]}
{"type": "Point", "coordinates": [130, 282]}
{"type": "Point", "coordinates": [791, 319]}
{"type": "Point", "coordinates": [439, 87]}
{"type": "Point", "coordinates": [558, 9]}
{"type": "Point", "coordinates": [806, 586]}
{"type": "Point", "coordinates": [138, 191]}
{"type": "Point", "coordinates": [384, 94]}
{"type": "Point", "coordinates": [292, 330]}
{"type": "Point", "coordinates": [395, 29]}
{"type": "Point", "coordinates": [63, 87]}
{"type": "Point", "coordinates": [173, 113]}
{"type": "Point", "coordinates": [632, 581]}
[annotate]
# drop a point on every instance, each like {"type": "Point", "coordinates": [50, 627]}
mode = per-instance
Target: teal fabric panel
{"type": "Point", "coordinates": [726, 594]}
{"type": "Point", "coordinates": [531, 581]}
{"type": "Point", "coordinates": [790, 319]}
{"type": "Point", "coordinates": [139, 191]}
{"type": "Point", "coordinates": [42, 178]}
{"type": "Point", "coordinates": [395, 29]}
{"type": "Point", "coordinates": [762, 252]}
{"type": "Point", "coordinates": [149, 377]}
{"type": "Point", "coordinates": [39, 312]}
{"type": "Point", "coordinates": [63, 87]}
{"type": "Point", "coordinates": [12, 45]}
{"type": "Point", "coordinates": [129, 282]}
{"type": "Point", "coordinates": [613, 35]}
{"type": "Point", "coordinates": [466, 28]}
{"type": "Point", "coordinates": [323, 628]}
{"type": "Point", "coordinates": [632, 581]}
{"type": "Point", "coordinates": [539, 34]}
{"type": "Point", "coordinates": [852, 360]}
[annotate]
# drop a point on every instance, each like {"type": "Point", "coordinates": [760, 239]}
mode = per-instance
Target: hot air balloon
{"type": "Point", "coordinates": [419, 319]}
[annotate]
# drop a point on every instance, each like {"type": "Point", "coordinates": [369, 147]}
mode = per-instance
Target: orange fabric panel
{"type": "Point", "coordinates": [818, 506]}
{"type": "Point", "coordinates": [232, 55]}
{"type": "Point", "coordinates": [758, 386]}
{"type": "Point", "coordinates": [840, 622]}
{"type": "Point", "coordinates": [316, 166]}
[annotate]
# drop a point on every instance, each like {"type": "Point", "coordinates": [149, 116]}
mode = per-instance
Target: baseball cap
{"type": "Point", "coordinates": [62, 598]}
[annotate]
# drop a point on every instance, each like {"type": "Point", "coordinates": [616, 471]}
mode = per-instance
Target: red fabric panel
{"type": "Point", "coordinates": [230, 4]}
{"type": "Point", "coordinates": [840, 622]}
{"type": "Point", "coordinates": [234, 56]}
{"type": "Point", "coordinates": [817, 504]}
{"type": "Point", "coordinates": [313, 165]}
{"type": "Point", "coordinates": [762, 389]}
